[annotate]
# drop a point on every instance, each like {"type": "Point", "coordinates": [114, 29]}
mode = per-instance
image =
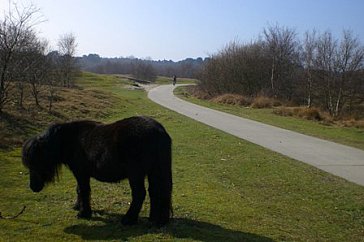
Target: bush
{"type": "Point", "coordinates": [310, 114]}
{"type": "Point", "coordinates": [198, 92]}
{"type": "Point", "coordinates": [233, 99]}
{"type": "Point", "coordinates": [265, 102]}
{"type": "Point", "coordinates": [353, 123]}
{"type": "Point", "coordinates": [283, 111]}
{"type": "Point", "coordinates": [301, 112]}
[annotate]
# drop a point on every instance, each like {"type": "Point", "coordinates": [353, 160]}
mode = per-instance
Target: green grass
{"type": "Point", "coordinates": [225, 189]}
{"type": "Point", "coordinates": [350, 136]}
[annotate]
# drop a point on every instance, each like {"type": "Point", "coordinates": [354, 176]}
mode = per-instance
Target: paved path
{"type": "Point", "coordinates": [337, 159]}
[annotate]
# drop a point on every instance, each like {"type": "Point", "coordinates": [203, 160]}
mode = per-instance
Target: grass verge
{"type": "Point", "coordinates": [350, 136]}
{"type": "Point", "coordinates": [224, 189]}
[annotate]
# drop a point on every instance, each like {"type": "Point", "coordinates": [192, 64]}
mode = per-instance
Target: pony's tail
{"type": "Point", "coordinates": [160, 184]}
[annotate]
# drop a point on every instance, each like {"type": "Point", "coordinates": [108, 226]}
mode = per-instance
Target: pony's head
{"type": "Point", "coordinates": [41, 156]}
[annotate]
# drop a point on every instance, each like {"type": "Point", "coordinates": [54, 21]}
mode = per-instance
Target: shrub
{"type": "Point", "coordinates": [198, 92]}
{"type": "Point", "coordinates": [283, 111]}
{"type": "Point", "coordinates": [265, 102]}
{"type": "Point", "coordinates": [233, 99]}
{"type": "Point", "coordinates": [301, 112]}
{"type": "Point", "coordinates": [310, 114]}
{"type": "Point", "coordinates": [353, 123]}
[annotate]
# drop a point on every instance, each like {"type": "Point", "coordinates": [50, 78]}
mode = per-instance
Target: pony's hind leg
{"type": "Point", "coordinates": [160, 198]}
{"type": "Point", "coordinates": [160, 186]}
{"type": "Point", "coordinates": [138, 195]}
{"type": "Point", "coordinates": [153, 195]}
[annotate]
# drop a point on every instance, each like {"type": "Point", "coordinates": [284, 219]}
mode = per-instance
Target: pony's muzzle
{"type": "Point", "coordinates": [36, 187]}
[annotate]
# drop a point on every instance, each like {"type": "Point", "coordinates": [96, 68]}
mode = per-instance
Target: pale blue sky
{"type": "Point", "coordinates": [177, 29]}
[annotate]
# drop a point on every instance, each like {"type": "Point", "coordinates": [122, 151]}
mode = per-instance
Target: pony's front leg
{"type": "Point", "coordinates": [78, 201]}
{"type": "Point", "coordinates": [83, 198]}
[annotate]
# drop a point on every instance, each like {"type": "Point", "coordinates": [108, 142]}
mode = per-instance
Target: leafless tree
{"type": "Point", "coordinates": [309, 51]}
{"type": "Point", "coordinates": [16, 32]}
{"type": "Point", "coordinates": [24, 65]}
{"type": "Point", "coordinates": [349, 58]}
{"type": "Point", "coordinates": [238, 68]}
{"type": "Point", "coordinates": [38, 72]}
{"type": "Point", "coordinates": [325, 67]}
{"type": "Point", "coordinates": [142, 69]}
{"type": "Point", "coordinates": [282, 47]}
{"type": "Point", "coordinates": [53, 78]}
{"type": "Point", "coordinates": [67, 48]}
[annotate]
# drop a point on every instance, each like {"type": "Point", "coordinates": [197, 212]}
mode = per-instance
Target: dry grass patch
{"type": "Point", "coordinates": [310, 114]}
{"type": "Point", "coordinates": [198, 92]}
{"type": "Point", "coordinates": [70, 104]}
{"type": "Point", "coordinates": [301, 112]}
{"type": "Point", "coordinates": [265, 102]}
{"type": "Point", "coordinates": [314, 114]}
{"type": "Point", "coordinates": [353, 123]}
{"type": "Point", "coordinates": [81, 104]}
{"type": "Point", "coordinates": [232, 99]}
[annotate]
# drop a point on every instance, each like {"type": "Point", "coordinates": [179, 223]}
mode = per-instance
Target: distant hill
{"type": "Point", "coordinates": [139, 67]}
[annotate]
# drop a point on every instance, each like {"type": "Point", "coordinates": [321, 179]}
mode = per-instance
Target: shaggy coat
{"type": "Point", "coordinates": [132, 148]}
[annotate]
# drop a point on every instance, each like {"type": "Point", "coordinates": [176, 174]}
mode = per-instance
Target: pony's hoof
{"type": "Point", "coordinates": [129, 221]}
{"type": "Point", "coordinates": [84, 215]}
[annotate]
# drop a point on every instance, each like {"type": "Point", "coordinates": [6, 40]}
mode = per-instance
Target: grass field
{"type": "Point", "coordinates": [225, 189]}
{"type": "Point", "coordinates": [344, 135]}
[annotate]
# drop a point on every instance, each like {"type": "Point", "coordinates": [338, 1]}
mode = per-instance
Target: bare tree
{"type": "Point", "coordinates": [38, 73]}
{"type": "Point", "coordinates": [53, 78]}
{"type": "Point", "coordinates": [142, 69]}
{"type": "Point", "coordinates": [309, 49]}
{"type": "Point", "coordinates": [238, 68]}
{"type": "Point", "coordinates": [16, 32]}
{"type": "Point", "coordinates": [349, 58]}
{"type": "Point", "coordinates": [339, 65]}
{"type": "Point", "coordinates": [282, 48]}
{"type": "Point", "coordinates": [325, 65]}
{"type": "Point", "coordinates": [24, 65]}
{"type": "Point", "coordinates": [67, 48]}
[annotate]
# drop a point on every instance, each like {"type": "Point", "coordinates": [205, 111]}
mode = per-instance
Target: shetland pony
{"type": "Point", "coordinates": [132, 148]}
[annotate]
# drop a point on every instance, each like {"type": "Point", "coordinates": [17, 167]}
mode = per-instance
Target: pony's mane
{"type": "Point", "coordinates": [27, 146]}
{"type": "Point", "coordinates": [42, 153]}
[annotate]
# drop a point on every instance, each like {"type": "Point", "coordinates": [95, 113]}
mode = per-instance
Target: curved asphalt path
{"type": "Point", "coordinates": [340, 160]}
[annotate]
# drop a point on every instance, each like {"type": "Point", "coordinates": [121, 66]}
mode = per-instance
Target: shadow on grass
{"type": "Point", "coordinates": [183, 228]}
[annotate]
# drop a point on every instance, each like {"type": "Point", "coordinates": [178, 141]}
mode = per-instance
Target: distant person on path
{"type": "Point", "coordinates": [174, 80]}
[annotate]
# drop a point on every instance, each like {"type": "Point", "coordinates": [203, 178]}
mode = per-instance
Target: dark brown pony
{"type": "Point", "coordinates": [131, 148]}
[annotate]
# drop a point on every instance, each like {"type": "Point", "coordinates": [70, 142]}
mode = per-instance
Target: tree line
{"type": "Point", "coordinates": [145, 69]}
{"type": "Point", "coordinates": [318, 70]}
{"type": "Point", "coordinates": [28, 63]}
